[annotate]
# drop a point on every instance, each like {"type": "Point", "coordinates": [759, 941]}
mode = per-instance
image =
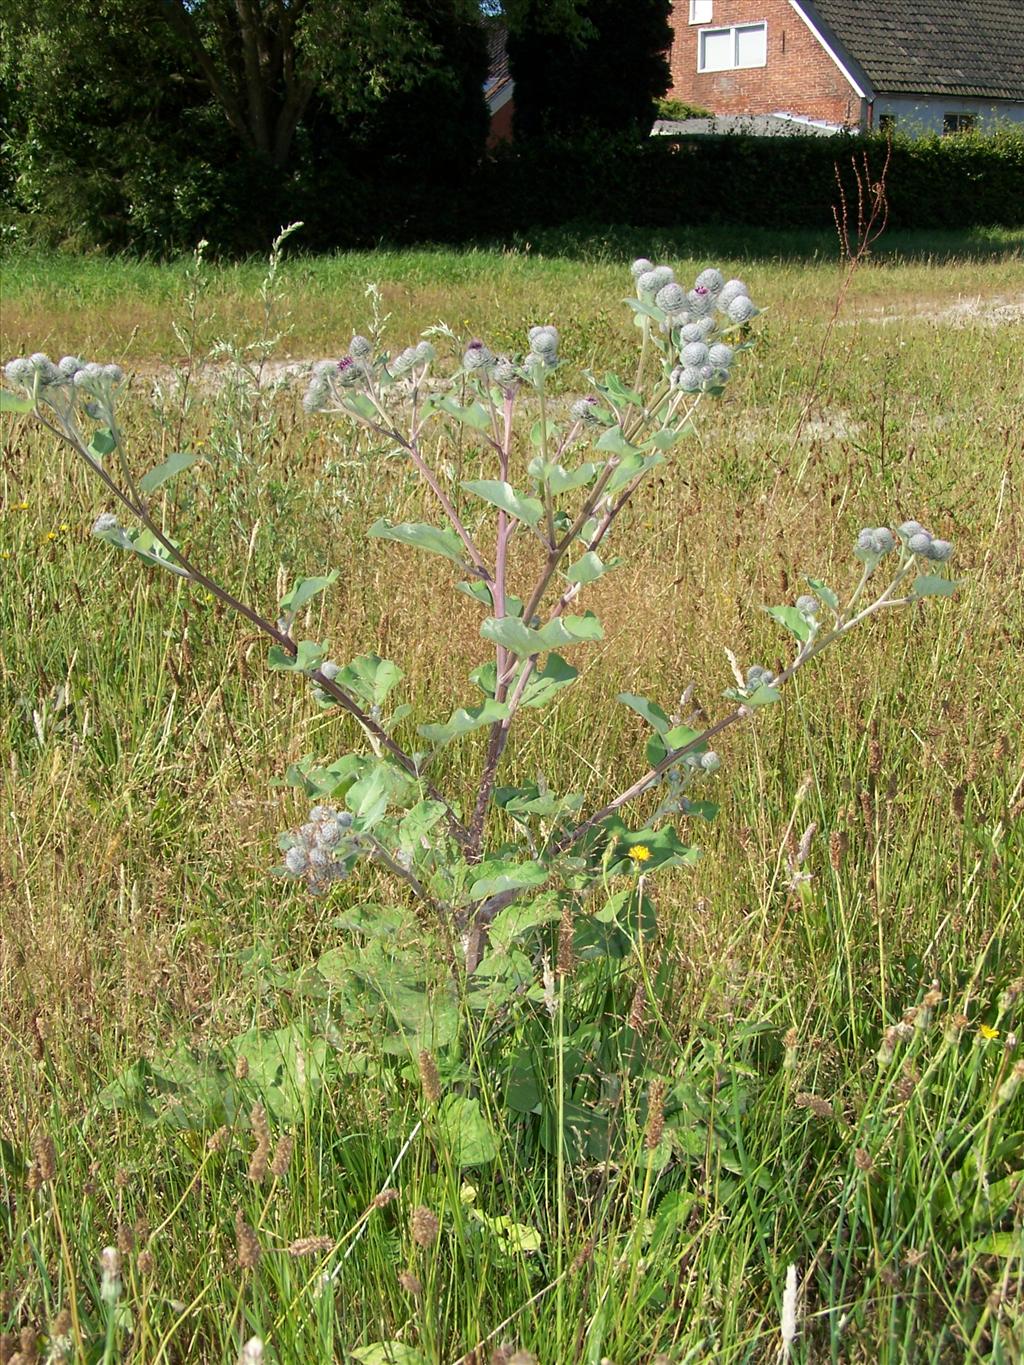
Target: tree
{"type": "Point", "coordinates": [603, 73]}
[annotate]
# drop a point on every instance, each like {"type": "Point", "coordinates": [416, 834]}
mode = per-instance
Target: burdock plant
{"type": "Point", "coordinates": [495, 866]}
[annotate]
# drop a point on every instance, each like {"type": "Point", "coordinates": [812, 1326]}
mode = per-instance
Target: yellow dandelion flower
{"type": "Point", "coordinates": [639, 853]}
{"type": "Point", "coordinates": [21, 506]}
{"type": "Point", "coordinates": [988, 1032]}
{"type": "Point", "coordinates": [63, 526]}
{"type": "Point", "coordinates": [51, 535]}
{"type": "Point", "coordinates": [5, 554]}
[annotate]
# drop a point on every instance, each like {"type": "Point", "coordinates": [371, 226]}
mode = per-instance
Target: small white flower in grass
{"type": "Point", "coordinates": [252, 1352]}
{"type": "Point", "coordinates": [789, 1319]}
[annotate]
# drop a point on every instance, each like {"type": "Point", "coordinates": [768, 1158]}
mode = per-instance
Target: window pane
{"type": "Point", "coordinates": [716, 49]}
{"type": "Point", "coordinates": [700, 11]}
{"type": "Point", "coordinates": [752, 45]}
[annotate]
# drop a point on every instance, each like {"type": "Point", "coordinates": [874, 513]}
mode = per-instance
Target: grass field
{"type": "Point", "coordinates": [141, 735]}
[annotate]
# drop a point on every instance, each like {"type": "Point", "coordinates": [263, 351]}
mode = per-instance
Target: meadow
{"type": "Point", "coordinates": [844, 1042]}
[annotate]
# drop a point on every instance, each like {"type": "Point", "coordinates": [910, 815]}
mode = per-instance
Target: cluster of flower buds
{"type": "Point", "coordinates": [59, 384]}
{"type": "Point", "coordinates": [808, 607]}
{"type": "Point", "coordinates": [921, 542]}
{"type": "Point", "coordinates": [875, 541]}
{"type": "Point", "coordinates": [478, 356]}
{"type": "Point", "coordinates": [697, 318]}
{"type": "Point", "coordinates": [318, 851]}
{"type": "Point", "coordinates": [411, 357]}
{"type": "Point", "coordinates": [758, 676]}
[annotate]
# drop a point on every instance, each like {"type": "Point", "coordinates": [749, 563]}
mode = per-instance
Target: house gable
{"type": "Point", "coordinates": [730, 66]}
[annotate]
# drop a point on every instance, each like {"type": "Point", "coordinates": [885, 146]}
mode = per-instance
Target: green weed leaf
{"type": "Point", "coordinates": [503, 496]}
{"type": "Point", "coordinates": [434, 539]}
{"type": "Point", "coordinates": [163, 473]}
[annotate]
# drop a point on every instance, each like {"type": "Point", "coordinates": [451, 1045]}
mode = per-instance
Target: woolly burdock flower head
{"type": "Point", "coordinates": [426, 352]}
{"type": "Point", "coordinates": [940, 550]}
{"type": "Point", "coordinates": [544, 341]}
{"type": "Point", "coordinates": [695, 354]}
{"type": "Point", "coordinates": [920, 543]}
{"type": "Point", "coordinates": [721, 355]}
{"type": "Point", "coordinates": [504, 373]}
{"type": "Point", "coordinates": [710, 761]}
{"type": "Point", "coordinates": [808, 605]}
{"type": "Point", "coordinates": [672, 298]}
{"type": "Point", "coordinates": [712, 280]}
{"type": "Point", "coordinates": [700, 301]}
{"type": "Point", "coordinates": [477, 356]}
{"type": "Point", "coordinates": [640, 267]}
{"type": "Point", "coordinates": [687, 378]}
{"type": "Point", "coordinates": [758, 676]}
{"type": "Point", "coordinates": [20, 371]}
{"type": "Point", "coordinates": [741, 309]}
{"type": "Point", "coordinates": [732, 289]}
{"type": "Point", "coordinates": [360, 347]}
{"type": "Point", "coordinates": [585, 410]}
{"type": "Point", "coordinates": [106, 521]}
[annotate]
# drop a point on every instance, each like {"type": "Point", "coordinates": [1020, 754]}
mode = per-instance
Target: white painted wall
{"type": "Point", "coordinates": [924, 113]}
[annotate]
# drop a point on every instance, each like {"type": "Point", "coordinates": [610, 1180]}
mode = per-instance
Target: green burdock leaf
{"type": "Point", "coordinates": [763, 696]}
{"type": "Point", "coordinates": [794, 621]}
{"type": "Point", "coordinates": [651, 712]}
{"type": "Point", "coordinates": [102, 443]}
{"type": "Point", "coordinates": [495, 875]}
{"type": "Point", "coordinates": [678, 737]}
{"type": "Point", "coordinates": [931, 585]}
{"type": "Point", "coordinates": [475, 416]}
{"type": "Point", "coordinates": [370, 678]}
{"type": "Point", "coordinates": [824, 592]}
{"type": "Point", "coordinates": [613, 442]}
{"type": "Point", "coordinates": [544, 683]}
{"type": "Point", "coordinates": [162, 473]}
{"type": "Point", "coordinates": [10, 402]}
{"type": "Point", "coordinates": [417, 824]}
{"type": "Point", "coordinates": [632, 465]}
{"type": "Point", "coordinates": [308, 655]}
{"type": "Point", "coordinates": [388, 1353]}
{"type": "Point", "coordinates": [369, 797]}
{"type": "Point", "coordinates": [663, 848]}
{"type": "Point", "coordinates": [521, 640]}
{"type": "Point", "coordinates": [463, 721]}
{"type": "Point", "coordinates": [461, 1123]}
{"type": "Point", "coordinates": [589, 568]}
{"type": "Point", "coordinates": [503, 496]}
{"type": "Point", "coordinates": [304, 590]}
{"type": "Point", "coordinates": [434, 539]}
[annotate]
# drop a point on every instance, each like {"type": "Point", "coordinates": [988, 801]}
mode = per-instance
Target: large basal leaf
{"type": "Point", "coordinates": [286, 1069]}
{"type": "Point", "coordinates": [463, 721]}
{"type": "Point", "coordinates": [521, 640]}
{"type": "Point", "coordinates": [503, 496]}
{"type": "Point", "coordinates": [162, 473]}
{"type": "Point", "coordinates": [436, 540]}
{"type": "Point", "coordinates": [306, 589]}
{"type": "Point", "coordinates": [663, 846]}
{"type": "Point", "coordinates": [463, 1127]}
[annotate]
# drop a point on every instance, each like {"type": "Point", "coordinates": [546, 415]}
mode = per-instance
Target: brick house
{"type": "Point", "coordinates": [917, 65]}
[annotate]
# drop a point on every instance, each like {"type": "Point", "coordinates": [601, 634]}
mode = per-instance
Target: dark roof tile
{"type": "Point", "coordinates": [930, 47]}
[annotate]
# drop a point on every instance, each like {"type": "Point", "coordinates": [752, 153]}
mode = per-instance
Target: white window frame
{"type": "Point", "coordinates": [702, 11]}
{"type": "Point", "coordinates": [734, 30]}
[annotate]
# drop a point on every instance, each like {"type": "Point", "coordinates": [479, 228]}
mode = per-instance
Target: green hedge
{"type": "Point", "coordinates": [961, 181]}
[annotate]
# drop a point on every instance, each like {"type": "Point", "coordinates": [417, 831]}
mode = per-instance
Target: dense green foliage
{"type": "Point", "coordinates": [606, 76]}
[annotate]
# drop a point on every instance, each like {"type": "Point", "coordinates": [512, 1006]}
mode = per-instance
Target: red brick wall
{"type": "Point", "coordinates": [800, 77]}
